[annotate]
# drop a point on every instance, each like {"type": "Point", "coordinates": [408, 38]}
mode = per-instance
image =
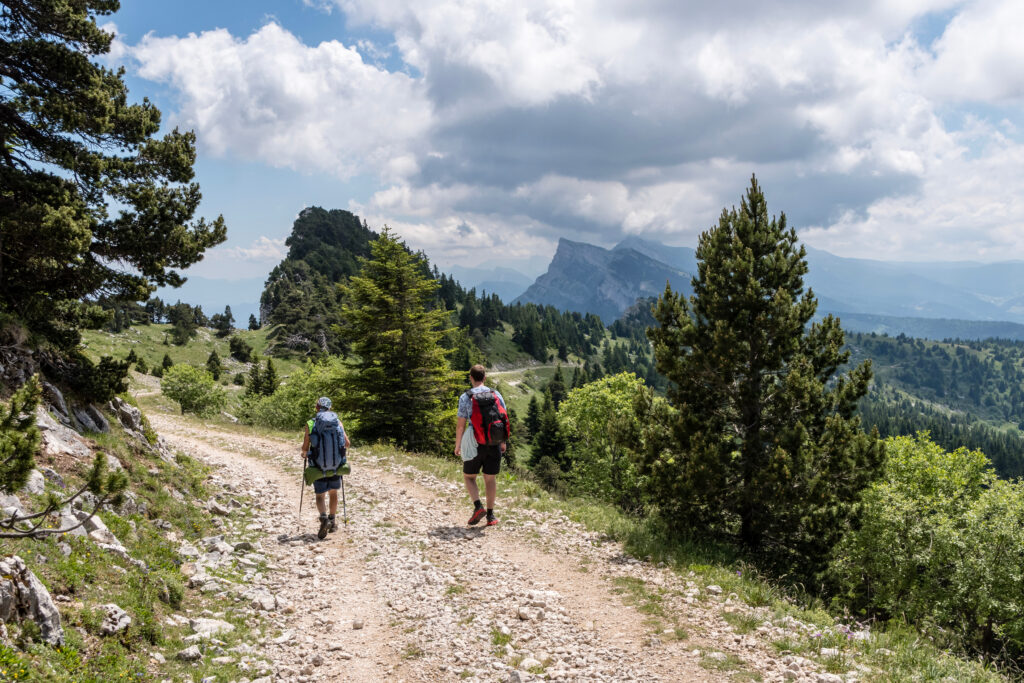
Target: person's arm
{"type": "Point", "coordinates": [345, 432]}
{"type": "Point", "coordinates": [305, 441]}
{"type": "Point", "coordinates": [460, 427]}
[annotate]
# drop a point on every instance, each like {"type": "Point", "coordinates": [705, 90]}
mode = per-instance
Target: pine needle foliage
{"type": "Point", "coordinates": [72, 147]}
{"type": "Point", "coordinates": [19, 441]}
{"type": "Point", "coordinates": [763, 444]}
{"type": "Point", "coordinates": [403, 390]}
{"type": "Point", "coordinates": [19, 436]}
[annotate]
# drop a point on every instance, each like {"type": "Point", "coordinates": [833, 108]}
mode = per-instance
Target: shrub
{"type": "Point", "coordinates": [96, 382]}
{"type": "Point", "coordinates": [594, 420]}
{"type": "Point", "coordinates": [939, 545]}
{"type": "Point", "coordinates": [292, 403]}
{"type": "Point", "coordinates": [193, 389]}
{"type": "Point", "coordinates": [240, 351]}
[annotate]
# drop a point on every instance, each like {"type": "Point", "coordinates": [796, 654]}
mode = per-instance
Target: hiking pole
{"type": "Point", "coordinates": [302, 492]}
{"type": "Point", "coordinates": [344, 508]}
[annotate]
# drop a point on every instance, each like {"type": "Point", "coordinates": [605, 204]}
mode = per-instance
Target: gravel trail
{"type": "Point", "coordinates": [406, 591]}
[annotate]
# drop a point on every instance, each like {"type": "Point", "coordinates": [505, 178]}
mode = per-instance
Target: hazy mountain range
{"type": "Point", "coordinates": [933, 300]}
{"type": "Point", "coordinates": [878, 296]}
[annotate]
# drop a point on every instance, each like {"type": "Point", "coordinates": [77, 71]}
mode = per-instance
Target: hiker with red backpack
{"type": "Point", "coordinates": [324, 447]}
{"type": "Point", "coordinates": [485, 411]}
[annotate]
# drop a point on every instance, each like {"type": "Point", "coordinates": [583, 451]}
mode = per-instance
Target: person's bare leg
{"type": "Point", "coordinates": [490, 489]}
{"type": "Point", "coordinates": [320, 505]}
{"type": "Point", "coordinates": [471, 487]}
{"type": "Point", "coordinates": [334, 501]}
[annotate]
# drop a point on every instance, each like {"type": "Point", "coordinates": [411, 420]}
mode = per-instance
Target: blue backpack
{"type": "Point", "coordinates": [327, 444]}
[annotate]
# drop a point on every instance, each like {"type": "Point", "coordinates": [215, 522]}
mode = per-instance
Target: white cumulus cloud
{"type": "Point", "coordinates": [271, 98]}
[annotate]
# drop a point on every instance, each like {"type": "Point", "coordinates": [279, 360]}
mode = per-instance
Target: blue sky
{"type": "Point", "coordinates": [888, 129]}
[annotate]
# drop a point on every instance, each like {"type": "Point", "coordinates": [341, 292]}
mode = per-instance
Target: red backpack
{"type": "Point", "coordinates": [489, 419]}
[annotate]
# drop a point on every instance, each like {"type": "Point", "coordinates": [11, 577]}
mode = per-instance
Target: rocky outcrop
{"type": "Point", "coordinates": [130, 418]}
{"type": "Point", "coordinates": [57, 439]}
{"type": "Point", "coordinates": [91, 419]}
{"type": "Point", "coordinates": [23, 596]}
{"type": "Point", "coordinates": [115, 620]}
{"type": "Point", "coordinates": [36, 483]}
{"type": "Point", "coordinates": [589, 279]}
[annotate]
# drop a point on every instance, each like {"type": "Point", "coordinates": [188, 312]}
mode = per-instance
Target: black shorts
{"type": "Point", "coordinates": [488, 457]}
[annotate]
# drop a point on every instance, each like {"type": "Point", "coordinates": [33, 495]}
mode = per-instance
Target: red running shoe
{"type": "Point", "coordinates": [492, 521]}
{"type": "Point", "coordinates": [478, 514]}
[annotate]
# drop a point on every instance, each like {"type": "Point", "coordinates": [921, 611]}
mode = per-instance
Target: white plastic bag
{"type": "Point", "coordinates": [468, 444]}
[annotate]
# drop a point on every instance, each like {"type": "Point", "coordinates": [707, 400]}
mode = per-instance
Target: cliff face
{"type": "Point", "coordinates": [589, 279]}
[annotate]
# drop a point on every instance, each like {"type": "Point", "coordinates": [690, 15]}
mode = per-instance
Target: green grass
{"type": "Point", "coordinates": [91, 577]}
{"type": "Point", "coordinates": [729, 663]}
{"type": "Point", "coordinates": [148, 343]}
{"type": "Point", "coordinates": [742, 622]}
{"type": "Point", "coordinates": [635, 592]}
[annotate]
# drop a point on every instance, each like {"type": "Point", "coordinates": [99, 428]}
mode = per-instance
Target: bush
{"type": "Point", "coordinates": [939, 545]}
{"type": "Point", "coordinates": [292, 404]}
{"type": "Point", "coordinates": [240, 351]}
{"type": "Point", "coordinates": [193, 389]}
{"type": "Point", "coordinates": [96, 382]}
{"type": "Point", "coordinates": [596, 421]}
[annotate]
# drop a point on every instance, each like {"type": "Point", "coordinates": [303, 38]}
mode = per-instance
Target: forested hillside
{"type": "Point", "coordinates": [965, 393]}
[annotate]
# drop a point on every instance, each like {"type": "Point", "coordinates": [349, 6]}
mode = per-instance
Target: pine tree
{"type": "Point", "coordinates": [223, 322]}
{"type": "Point", "coordinates": [764, 444]}
{"type": "Point", "coordinates": [270, 379]}
{"type": "Point", "coordinates": [213, 365]}
{"type": "Point", "coordinates": [166, 362]}
{"type": "Point", "coordinates": [72, 148]}
{"type": "Point", "coordinates": [402, 389]}
{"type": "Point", "coordinates": [548, 444]}
{"type": "Point", "coordinates": [254, 324]}
{"type": "Point", "coordinates": [255, 386]}
{"type": "Point", "coordinates": [556, 387]}
{"type": "Point", "coordinates": [532, 418]}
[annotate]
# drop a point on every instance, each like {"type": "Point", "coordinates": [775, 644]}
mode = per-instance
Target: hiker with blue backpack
{"type": "Point", "coordinates": [481, 446]}
{"type": "Point", "coordinates": [324, 448]}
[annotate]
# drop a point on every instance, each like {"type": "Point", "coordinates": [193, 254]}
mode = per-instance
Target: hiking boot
{"type": "Point", "coordinates": [322, 531]}
{"type": "Point", "coordinates": [332, 524]}
{"type": "Point", "coordinates": [478, 514]}
{"type": "Point", "coordinates": [492, 520]}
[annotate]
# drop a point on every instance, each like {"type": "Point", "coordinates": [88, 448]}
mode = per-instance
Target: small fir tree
{"type": "Point", "coordinates": [548, 441]}
{"type": "Point", "coordinates": [254, 324]}
{"type": "Point", "coordinates": [556, 387]}
{"type": "Point", "coordinates": [213, 365]}
{"type": "Point", "coordinates": [403, 389]}
{"type": "Point", "coordinates": [167, 362]}
{"type": "Point", "coordinates": [255, 385]}
{"type": "Point", "coordinates": [270, 379]}
{"type": "Point", "coordinates": [532, 417]}
{"type": "Point", "coordinates": [764, 443]}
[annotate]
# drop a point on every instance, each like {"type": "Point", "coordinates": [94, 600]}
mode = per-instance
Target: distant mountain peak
{"type": "Point", "coordinates": [590, 279]}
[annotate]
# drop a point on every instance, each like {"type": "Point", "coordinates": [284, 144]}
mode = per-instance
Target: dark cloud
{"type": "Point", "coordinates": [605, 139]}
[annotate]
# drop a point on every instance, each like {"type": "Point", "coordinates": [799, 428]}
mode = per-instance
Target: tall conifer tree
{"type": "Point", "coordinates": [91, 201]}
{"type": "Point", "coordinates": [764, 442]}
{"type": "Point", "coordinates": [403, 389]}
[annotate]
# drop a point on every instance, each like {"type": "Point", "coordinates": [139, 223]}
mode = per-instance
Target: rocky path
{"type": "Point", "coordinates": [407, 592]}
